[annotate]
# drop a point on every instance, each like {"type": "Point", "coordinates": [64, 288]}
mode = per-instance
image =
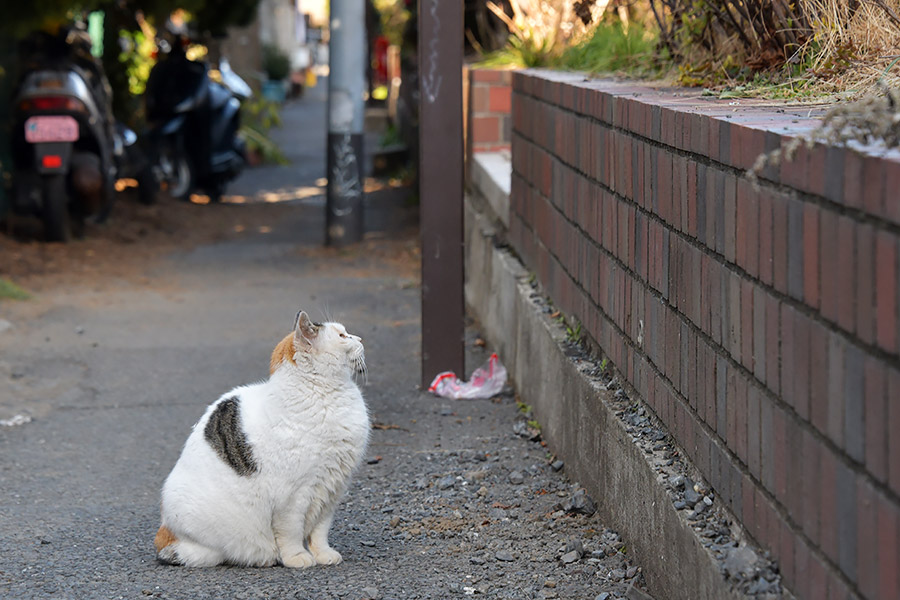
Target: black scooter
{"type": "Point", "coordinates": [67, 148]}
{"type": "Point", "coordinates": [193, 123]}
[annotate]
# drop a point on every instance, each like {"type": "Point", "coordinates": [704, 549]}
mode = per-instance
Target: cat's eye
{"type": "Point", "coordinates": [343, 335]}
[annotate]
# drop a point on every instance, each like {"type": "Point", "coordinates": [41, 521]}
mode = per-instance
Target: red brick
{"type": "Point", "coordinates": [864, 297]}
{"type": "Point", "coordinates": [876, 418]}
{"type": "Point", "coordinates": [888, 549]}
{"type": "Point", "coordinates": [772, 349]}
{"type": "Point", "coordinates": [829, 277]}
{"type": "Point", "coordinates": [747, 228]}
{"type": "Point", "coordinates": [874, 191]}
{"type": "Point", "coordinates": [845, 272]}
{"type": "Point", "coordinates": [828, 515]}
{"type": "Point", "coordinates": [810, 486]}
{"type": "Point", "coordinates": [853, 181]}
{"type": "Point", "coordinates": [729, 249]}
{"type": "Point", "coordinates": [740, 417]}
{"type": "Point", "coordinates": [766, 238]}
{"type": "Point", "coordinates": [780, 243]}
{"type": "Point", "coordinates": [893, 425]}
{"type": "Point", "coordinates": [486, 75]}
{"type": "Point", "coordinates": [689, 211]}
{"type": "Point", "coordinates": [818, 579]}
{"type": "Point", "coordinates": [485, 129]}
{"type": "Point", "coordinates": [886, 290]}
{"type": "Point", "coordinates": [500, 99]}
{"type": "Point", "coordinates": [753, 431]}
{"type": "Point", "coordinates": [867, 539]}
{"type": "Point", "coordinates": [480, 100]}
{"type": "Point", "coordinates": [786, 552]}
{"type": "Point", "coordinates": [747, 324]}
{"type": "Point", "coordinates": [802, 583]}
{"type": "Point", "coordinates": [818, 376]}
{"type": "Point", "coordinates": [811, 255]}
{"type": "Point", "coordinates": [780, 452]}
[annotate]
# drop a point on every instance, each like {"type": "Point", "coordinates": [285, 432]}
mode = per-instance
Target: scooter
{"type": "Point", "coordinates": [67, 149]}
{"type": "Point", "coordinates": [194, 123]}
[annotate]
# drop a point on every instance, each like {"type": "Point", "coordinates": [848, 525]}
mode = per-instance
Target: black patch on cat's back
{"type": "Point", "coordinates": [223, 432]}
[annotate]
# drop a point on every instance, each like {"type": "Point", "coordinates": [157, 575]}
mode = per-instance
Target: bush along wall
{"type": "Point", "coordinates": [760, 322]}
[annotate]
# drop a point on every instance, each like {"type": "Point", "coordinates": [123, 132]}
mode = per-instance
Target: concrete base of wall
{"type": "Point", "coordinates": [581, 420]}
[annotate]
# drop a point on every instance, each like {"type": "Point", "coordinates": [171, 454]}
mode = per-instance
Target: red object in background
{"type": "Point", "coordinates": [379, 58]}
{"type": "Point", "coordinates": [52, 161]}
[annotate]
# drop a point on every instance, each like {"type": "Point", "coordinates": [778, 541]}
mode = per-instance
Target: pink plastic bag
{"type": "Point", "coordinates": [486, 382]}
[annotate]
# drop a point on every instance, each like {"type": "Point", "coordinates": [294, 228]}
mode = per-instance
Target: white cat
{"type": "Point", "coordinates": [261, 474]}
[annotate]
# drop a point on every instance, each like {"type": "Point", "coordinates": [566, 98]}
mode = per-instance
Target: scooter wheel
{"type": "Point", "coordinates": [55, 211]}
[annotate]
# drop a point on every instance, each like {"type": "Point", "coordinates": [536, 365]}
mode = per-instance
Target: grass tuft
{"type": "Point", "coordinates": [11, 291]}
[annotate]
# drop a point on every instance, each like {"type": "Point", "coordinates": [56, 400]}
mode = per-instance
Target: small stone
{"type": "Point", "coordinates": [617, 574]}
{"type": "Point", "coordinates": [79, 330]}
{"type": "Point", "coordinates": [395, 521]}
{"type": "Point", "coordinates": [570, 557]}
{"type": "Point", "coordinates": [446, 482]}
{"type": "Point", "coordinates": [691, 496]}
{"type": "Point", "coordinates": [479, 457]}
{"type": "Point", "coordinates": [374, 460]}
{"type": "Point", "coordinates": [602, 596]}
{"type": "Point", "coordinates": [707, 500]}
{"type": "Point", "coordinates": [497, 513]}
{"type": "Point", "coordinates": [368, 543]}
{"type": "Point", "coordinates": [482, 491]}
{"type": "Point", "coordinates": [371, 593]}
{"type": "Point", "coordinates": [557, 465]}
{"type": "Point", "coordinates": [580, 503]}
{"type": "Point", "coordinates": [630, 572]}
{"type": "Point", "coordinates": [504, 556]}
{"type": "Point", "coordinates": [550, 583]}
{"type": "Point", "coordinates": [476, 560]}
{"type": "Point", "coordinates": [679, 504]}
{"type": "Point", "coordinates": [446, 410]}
{"type": "Point", "coordinates": [516, 478]}
{"type": "Point", "coordinates": [575, 545]}
{"type": "Point", "coordinates": [740, 562]}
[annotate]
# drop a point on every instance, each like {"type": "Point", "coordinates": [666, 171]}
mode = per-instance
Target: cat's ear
{"type": "Point", "coordinates": [305, 331]}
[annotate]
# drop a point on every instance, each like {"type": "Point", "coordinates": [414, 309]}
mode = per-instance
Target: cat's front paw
{"type": "Point", "coordinates": [301, 560]}
{"type": "Point", "coordinates": [328, 556]}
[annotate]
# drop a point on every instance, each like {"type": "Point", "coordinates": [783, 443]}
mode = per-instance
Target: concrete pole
{"type": "Point", "coordinates": [346, 85]}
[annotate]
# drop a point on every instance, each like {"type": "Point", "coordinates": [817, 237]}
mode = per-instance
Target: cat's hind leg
{"type": "Point", "coordinates": [318, 541]}
{"type": "Point", "coordinates": [190, 554]}
{"type": "Point", "coordinates": [288, 529]}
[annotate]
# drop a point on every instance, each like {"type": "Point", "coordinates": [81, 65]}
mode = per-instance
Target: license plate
{"type": "Point", "coordinates": [56, 128]}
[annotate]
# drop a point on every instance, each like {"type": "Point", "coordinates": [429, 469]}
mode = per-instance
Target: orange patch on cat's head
{"type": "Point", "coordinates": [284, 351]}
{"type": "Point", "coordinates": [163, 538]}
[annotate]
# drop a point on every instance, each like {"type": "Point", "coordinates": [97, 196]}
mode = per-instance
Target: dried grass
{"type": "Point", "coordinates": [853, 44]}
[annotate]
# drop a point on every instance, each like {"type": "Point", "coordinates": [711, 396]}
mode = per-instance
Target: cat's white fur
{"type": "Point", "coordinates": [308, 428]}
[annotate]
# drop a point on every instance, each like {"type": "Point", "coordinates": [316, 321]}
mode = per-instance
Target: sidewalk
{"type": "Point", "coordinates": [450, 502]}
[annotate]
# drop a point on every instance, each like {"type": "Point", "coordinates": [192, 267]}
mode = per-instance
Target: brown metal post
{"type": "Point", "coordinates": [441, 186]}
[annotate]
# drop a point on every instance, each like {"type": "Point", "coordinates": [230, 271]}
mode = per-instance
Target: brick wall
{"type": "Point", "coordinates": [759, 323]}
{"type": "Point", "coordinates": [488, 110]}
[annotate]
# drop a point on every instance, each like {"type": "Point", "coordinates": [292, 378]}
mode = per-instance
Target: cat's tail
{"type": "Point", "coordinates": [164, 538]}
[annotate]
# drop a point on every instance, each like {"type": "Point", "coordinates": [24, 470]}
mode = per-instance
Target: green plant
{"type": "Point", "coordinates": [523, 408]}
{"type": "Point", "coordinates": [534, 424]}
{"type": "Point", "coordinates": [276, 63]}
{"type": "Point", "coordinates": [613, 46]}
{"type": "Point", "coordinates": [11, 291]}
{"type": "Point", "coordinates": [604, 363]}
{"type": "Point", "coordinates": [258, 116]}
{"type": "Point", "coordinates": [573, 333]}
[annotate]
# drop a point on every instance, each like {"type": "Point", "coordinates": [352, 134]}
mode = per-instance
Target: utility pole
{"type": "Point", "coordinates": [346, 86]}
{"type": "Point", "coordinates": [441, 186]}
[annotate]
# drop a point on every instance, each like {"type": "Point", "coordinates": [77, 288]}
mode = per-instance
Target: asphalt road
{"type": "Point", "coordinates": [115, 373]}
